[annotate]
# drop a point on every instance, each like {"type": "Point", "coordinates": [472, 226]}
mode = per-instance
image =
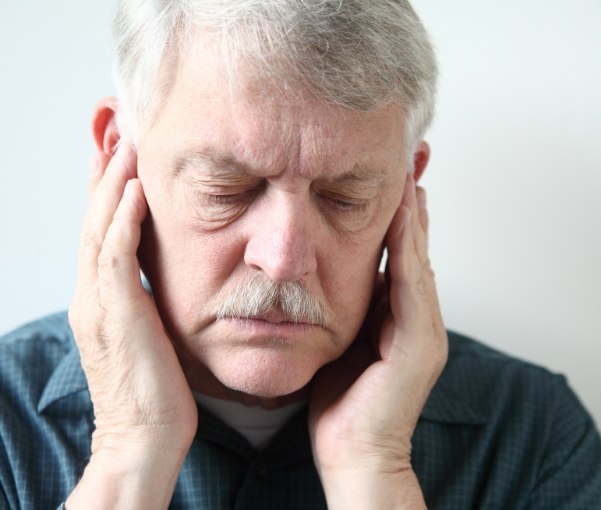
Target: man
{"type": "Point", "coordinates": [260, 157]}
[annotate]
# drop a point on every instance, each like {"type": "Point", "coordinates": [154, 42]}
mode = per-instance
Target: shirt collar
{"type": "Point", "coordinates": [292, 443]}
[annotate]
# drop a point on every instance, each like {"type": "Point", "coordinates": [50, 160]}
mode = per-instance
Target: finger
{"type": "Point", "coordinates": [395, 230]}
{"type": "Point", "coordinates": [98, 164]}
{"type": "Point", "coordinates": [417, 224]}
{"type": "Point", "coordinates": [411, 292]}
{"type": "Point", "coordinates": [420, 225]}
{"type": "Point", "coordinates": [418, 219]}
{"type": "Point", "coordinates": [422, 209]}
{"type": "Point", "coordinates": [416, 329]}
{"type": "Point", "coordinates": [408, 296]}
{"type": "Point", "coordinates": [118, 267]}
{"type": "Point", "coordinates": [105, 199]}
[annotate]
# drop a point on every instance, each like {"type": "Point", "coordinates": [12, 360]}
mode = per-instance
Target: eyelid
{"type": "Point", "coordinates": [227, 190]}
{"type": "Point", "coordinates": [347, 194]}
{"type": "Point", "coordinates": [230, 195]}
{"type": "Point", "coordinates": [224, 183]}
{"type": "Point", "coordinates": [343, 203]}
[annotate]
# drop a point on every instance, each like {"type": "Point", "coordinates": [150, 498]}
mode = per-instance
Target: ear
{"type": "Point", "coordinates": [104, 125]}
{"type": "Point", "coordinates": [420, 160]}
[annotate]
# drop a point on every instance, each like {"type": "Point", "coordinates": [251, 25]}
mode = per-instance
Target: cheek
{"type": "Point", "coordinates": [173, 250]}
{"type": "Point", "coordinates": [352, 266]}
{"type": "Point", "coordinates": [185, 268]}
{"type": "Point", "coordinates": [348, 280]}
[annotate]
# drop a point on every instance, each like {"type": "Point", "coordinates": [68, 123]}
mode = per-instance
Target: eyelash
{"type": "Point", "coordinates": [230, 199]}
{"type": "Point", "coordinates": [345, 206]}
{"type": "Point", "coordinates": [233, 199]}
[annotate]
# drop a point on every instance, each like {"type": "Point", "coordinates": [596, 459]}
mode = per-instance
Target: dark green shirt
{"type": "Point", "coordinates": [496, 433]}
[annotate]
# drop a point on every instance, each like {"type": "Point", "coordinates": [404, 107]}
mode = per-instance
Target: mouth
{"type": "Point", "coordinates": [270, 323]}
{"type": "Point", "coordinates": [273, 323]}
{"type": "Point", "coordinates": [273, 316]}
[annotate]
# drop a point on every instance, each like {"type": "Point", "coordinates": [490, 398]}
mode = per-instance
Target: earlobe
{"type": "Point", "coordinates": [104, 125]}
{"type": "Point", "coordinates": [420, 160]}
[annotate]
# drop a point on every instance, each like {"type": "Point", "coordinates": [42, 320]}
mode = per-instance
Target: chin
{"type": "Point", "coordinates": [265, 374]}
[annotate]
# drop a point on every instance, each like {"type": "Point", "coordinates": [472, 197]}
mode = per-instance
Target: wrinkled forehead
{"type": "Point", "coordinates": [219, 101]}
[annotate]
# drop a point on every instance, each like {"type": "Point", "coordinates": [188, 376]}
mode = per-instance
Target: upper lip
{"type": "Point", "coordinates": [274, 316]}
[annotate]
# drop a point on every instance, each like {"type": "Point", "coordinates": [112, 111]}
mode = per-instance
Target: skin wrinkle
{"type": "Point", "coordinates": [291, 229]}
{"type": "Point", "coordinates": [215, 168]}
{"type": "Point", "coordinates": [213, 171]}
{"type": "Point", "coordinates": [311, 249]}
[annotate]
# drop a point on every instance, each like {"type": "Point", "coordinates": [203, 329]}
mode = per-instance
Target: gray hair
{"type": "Point", "coordinates": [256, 295]}
{"type": "Point", "coordinates": [359, 54]}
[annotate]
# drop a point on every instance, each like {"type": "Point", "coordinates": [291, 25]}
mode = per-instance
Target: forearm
{"type": "Point", "coordinates": [128, 480]}
{"type": "Point", "coordinates": [364, 490]}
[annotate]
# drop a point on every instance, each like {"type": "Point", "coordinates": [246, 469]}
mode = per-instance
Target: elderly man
{"type": "Point", "coordinates": [260, 158]}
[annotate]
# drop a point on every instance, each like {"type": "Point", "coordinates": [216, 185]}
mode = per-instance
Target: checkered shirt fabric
{"type": "Point", "coordinates": [496, 433]}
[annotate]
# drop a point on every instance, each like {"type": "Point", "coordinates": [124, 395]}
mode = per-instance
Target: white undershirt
{"type": "Point", "coordinates": [257, 424]}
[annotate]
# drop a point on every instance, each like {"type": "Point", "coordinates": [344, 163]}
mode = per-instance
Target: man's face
{"type": "Point", "coordinates": [294, 191]}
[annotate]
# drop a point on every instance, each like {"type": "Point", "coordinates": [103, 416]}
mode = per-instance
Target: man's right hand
{"type": "Point", "coordinates": [145, 414]}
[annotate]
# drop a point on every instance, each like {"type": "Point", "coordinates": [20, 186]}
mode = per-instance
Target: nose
{"type": "Point", "coordinates": [283, 241]}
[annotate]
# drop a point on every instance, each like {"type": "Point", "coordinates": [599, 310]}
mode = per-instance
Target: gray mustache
{"type": "Point", "coordinates": [257, 295]}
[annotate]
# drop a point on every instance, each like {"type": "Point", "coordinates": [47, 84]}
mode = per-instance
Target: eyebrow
{"type": "Point", "coordinates": [361, 174]}
{"type": "Point", "coordinates": [227, 164]}
{"type": "Point", "coordinates": [222, 164]}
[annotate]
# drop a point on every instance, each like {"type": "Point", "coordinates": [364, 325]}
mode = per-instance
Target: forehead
{"type": "Point", "coordinates": [217, 107]}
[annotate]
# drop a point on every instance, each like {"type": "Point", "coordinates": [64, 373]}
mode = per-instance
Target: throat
{"type": "Point", "coordinates": [254, 422]}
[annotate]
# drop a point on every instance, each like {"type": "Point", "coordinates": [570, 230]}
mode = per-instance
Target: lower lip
{"type": "Point", "coordinates": [260, 327]}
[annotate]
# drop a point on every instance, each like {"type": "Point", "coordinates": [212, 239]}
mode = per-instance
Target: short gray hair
{"type": "Point", "coordinates": [359, 54]}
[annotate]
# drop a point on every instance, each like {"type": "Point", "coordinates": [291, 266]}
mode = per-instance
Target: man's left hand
{"type": "Point", "coordinates": [365, 406]}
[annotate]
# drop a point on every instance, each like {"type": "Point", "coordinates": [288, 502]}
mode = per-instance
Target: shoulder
{"type": "Point", "coordinates": [499, 385]}
{"type": "Point", "coordinates": [52, 328]}
{"type": "Point", "coordinates": [39, 343]}
{"type": "Point", "coordinates": [55, 326]}
{"type": "Point", "coordinates": [472, 362]}
{"type": "Point", "coordinates": [30, 354]}
{"type": "Point", "coordinates": [494, 421]}
{"type": "Point", "coordinates": [45, 418]}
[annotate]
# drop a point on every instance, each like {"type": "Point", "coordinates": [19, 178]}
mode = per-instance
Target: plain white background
{"type": "Point", "coordinates": [514, 184]}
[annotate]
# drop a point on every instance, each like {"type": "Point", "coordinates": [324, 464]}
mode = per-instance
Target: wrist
{"type": "Point", "coordinates": [360, 488]}
{"type": "Point", "coordinates": [128, 478]}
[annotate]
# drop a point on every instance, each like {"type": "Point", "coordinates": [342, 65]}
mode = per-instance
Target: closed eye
{"type": "Point", "coordinates": [343, 204]}
{"type": "Point", "coordinates": [220, 199]}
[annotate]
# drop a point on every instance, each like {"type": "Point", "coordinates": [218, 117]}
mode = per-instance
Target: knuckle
{"type": "Point", "coordinates": [90, 239]}
{"type": "Point", "coordinates": [120, 238]}
{"type": "Point", "coordinates": [420, 287]}
{"type": "Point", "coordinates": [427, 268]}
{"type": "Point", "coordinates": [115, 250]}
{"type": "Point", "coordinates": [108, 261]}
